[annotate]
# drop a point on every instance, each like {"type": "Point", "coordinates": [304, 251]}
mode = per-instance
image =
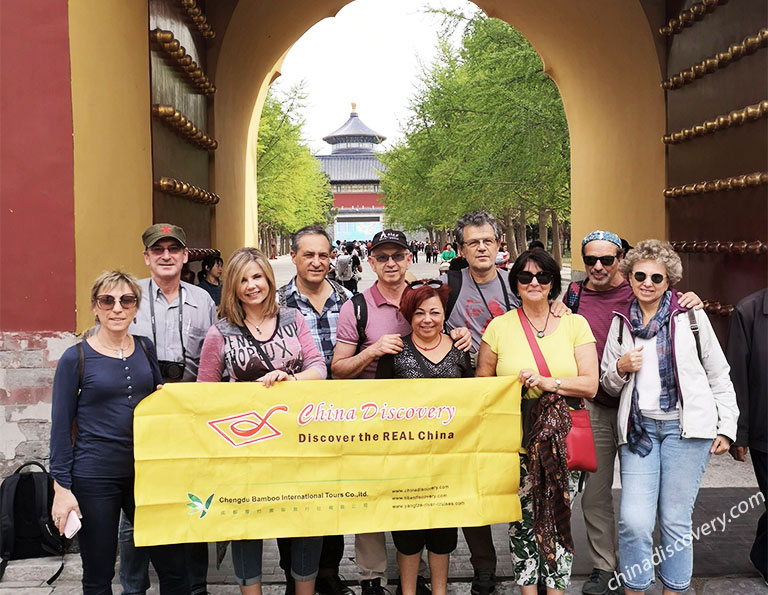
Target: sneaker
{"type": "Point", "coordinates": [372, 587]}
{"type": "Point", "coordinates": [422, 587]}
{"type": "Point", "coordinates": [597, 583]}
{"type": "Point", "coordinates": [332, 585]}
{"type": "Point", "coordinates": [483, 583]}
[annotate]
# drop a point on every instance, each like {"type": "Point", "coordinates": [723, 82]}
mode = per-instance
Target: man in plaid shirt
{"type": "Point", "coordinates": [319, 300]}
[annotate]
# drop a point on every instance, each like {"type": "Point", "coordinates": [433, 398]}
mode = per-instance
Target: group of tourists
{"type": "Point", "coordinates": [641, 357]}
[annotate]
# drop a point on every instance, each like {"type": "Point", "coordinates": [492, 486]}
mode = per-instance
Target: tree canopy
{"type": "Point", "coordinates": [487, 130]}
{"type": "Point", "coordinates": [292, 189]}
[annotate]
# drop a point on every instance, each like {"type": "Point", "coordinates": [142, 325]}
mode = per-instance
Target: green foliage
{"type": "Point", "coordinates": [487, 130]}
{"type": "Point", "coordinates": [292, 189]}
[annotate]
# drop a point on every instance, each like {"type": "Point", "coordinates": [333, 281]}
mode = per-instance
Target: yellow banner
{"type": "Point", "coordinates": [220, 461]}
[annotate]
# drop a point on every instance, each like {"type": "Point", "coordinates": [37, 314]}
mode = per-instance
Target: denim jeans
{"type": "Point", "coordinates": [134, 563]}
{"type": "Point", "coordinates": [246, 559]}
{"type": "Point", "coordinates": [666, 480]}
{"type": "Point", "coordinates": [101, 499]}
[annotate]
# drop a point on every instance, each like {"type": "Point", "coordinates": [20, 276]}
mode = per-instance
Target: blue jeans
{"type": "Point", "coordinates": [101, 499]}
{"type": "Point", "coordinates": [668, 480]}
{"type": "Point", "coordinates": [134, 563]}
{"type": "Point", "coordinates": [305, 558]}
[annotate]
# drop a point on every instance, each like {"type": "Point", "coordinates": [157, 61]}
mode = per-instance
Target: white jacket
{"type": "Point", "coordinates": [705, 393]}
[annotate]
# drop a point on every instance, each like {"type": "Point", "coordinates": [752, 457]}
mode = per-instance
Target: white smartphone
{"type": "Point", "coordinates": [72, 525]}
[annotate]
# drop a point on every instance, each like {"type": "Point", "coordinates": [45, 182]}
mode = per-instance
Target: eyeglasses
{"type": "Point", "coordinates": [107, 302]}
{"type": "Point", "coordinates": [543, 277]}
{"type": "Point", "coordinates": [656, 278]}
{"type": "Point", "coordinates": [475, 243]}
{"type": "Point", "coordinates": [433, 283]}
{"type": "Point", "coordinates": [606, 261]}
{"type": "Point", "coordinates": [173, 250]}
{"type": "Point", "coordinates": [397, 257]}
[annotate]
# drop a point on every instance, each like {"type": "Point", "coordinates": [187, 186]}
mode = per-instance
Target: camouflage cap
{"type": "Point", "coordinates": [159, 231]}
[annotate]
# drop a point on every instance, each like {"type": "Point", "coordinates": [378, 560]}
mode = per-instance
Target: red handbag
{"type": "Point", "coordinates": [579, 442]}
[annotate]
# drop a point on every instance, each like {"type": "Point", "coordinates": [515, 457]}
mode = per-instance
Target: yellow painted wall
{"type": "Point", "coordinates": [112, 145]}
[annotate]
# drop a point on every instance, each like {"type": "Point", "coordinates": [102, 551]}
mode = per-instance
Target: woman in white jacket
{"type": "Point", "coordinates": [677, 408]}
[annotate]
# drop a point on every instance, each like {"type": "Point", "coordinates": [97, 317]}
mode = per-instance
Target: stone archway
{"type": "Point", "coordinates": [603, 58]}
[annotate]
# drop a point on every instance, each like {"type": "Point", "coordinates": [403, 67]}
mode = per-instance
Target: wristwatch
{"type": "Point", "coordinates": [557, 385]}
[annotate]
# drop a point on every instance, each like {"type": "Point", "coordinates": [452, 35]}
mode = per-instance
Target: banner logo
{"type": "Point", "coordinates": [247, 428]}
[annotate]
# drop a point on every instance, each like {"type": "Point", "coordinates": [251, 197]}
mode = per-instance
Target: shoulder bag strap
{"type": "Point", "coordinates": [259, 349]}
{"type": "Point", "coordinates": [360, 308]}
{"type": "Point", "coordinates": [541, 363]}
{"type": "Point", "coordinates": [454, 283]}
{"type": "Point", "coordinates": [695, 331]}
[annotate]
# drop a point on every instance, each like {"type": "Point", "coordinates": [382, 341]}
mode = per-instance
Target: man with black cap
{"type": "Point", "coordinates": [176, 316]}
{"type": "Point", "coordinates": [356, 356]}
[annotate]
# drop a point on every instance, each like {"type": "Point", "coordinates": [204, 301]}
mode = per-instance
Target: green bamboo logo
{"type": "Point", "coordinates": [196, 505]}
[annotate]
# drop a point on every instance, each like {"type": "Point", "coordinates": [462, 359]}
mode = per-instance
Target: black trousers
{"type": "Point", "coordinates": [101, 499]}
{"type": "Point", "coordinates": [481, 549]}
{"type": "Point", "coordinates": [759, 553]}
{"type": "Point", "coordinates": [330, 554]}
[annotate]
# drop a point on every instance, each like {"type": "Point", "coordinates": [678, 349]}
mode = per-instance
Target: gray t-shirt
{"type": "Point", "coordinates": [471, 310]}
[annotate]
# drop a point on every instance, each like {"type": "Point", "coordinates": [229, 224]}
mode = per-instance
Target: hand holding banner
{"type": "Point", "coordinates": [229, 461]}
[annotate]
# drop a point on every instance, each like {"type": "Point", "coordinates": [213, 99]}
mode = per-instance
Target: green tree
{"type": "Point", "coordinates": [292, 189]}
{"type": "Point", "coordinates": [487, 130]}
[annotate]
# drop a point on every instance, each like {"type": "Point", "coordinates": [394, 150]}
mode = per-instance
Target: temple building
{"type": "Point", "coordinates": [354, 171]}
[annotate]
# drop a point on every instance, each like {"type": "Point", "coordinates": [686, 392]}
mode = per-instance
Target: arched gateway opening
{"type": "Point", "coordinates": [610, 97]}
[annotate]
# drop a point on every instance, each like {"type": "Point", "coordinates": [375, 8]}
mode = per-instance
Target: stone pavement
{"type": "Point", "coordinates": [725, 517]}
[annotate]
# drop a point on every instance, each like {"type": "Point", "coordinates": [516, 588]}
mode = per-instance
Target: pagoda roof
{"type": "Point", "coordinates": [354, 127]}
{"type": "Point", "coordinates": [352, 168]}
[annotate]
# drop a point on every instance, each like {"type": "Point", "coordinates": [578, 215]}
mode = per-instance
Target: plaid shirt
{"type": "Point", "coordinates": [323, 325]}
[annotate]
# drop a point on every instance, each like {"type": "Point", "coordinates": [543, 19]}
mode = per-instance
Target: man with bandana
{"type": "Point", "coordinates": [596, 297]}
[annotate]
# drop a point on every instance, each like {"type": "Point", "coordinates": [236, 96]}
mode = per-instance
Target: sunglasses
{"type": "Point", "coordinates": [433, 283]}
{"type": "Point", "coordinates": [173, 250]}
{"type": "Point", "coordinates": [606, 261]}
{"type": "Point", "coordinates": [107, 302]}
{"type": "Point", "coordinates": [397, 257]}
{"type": "Point", "coordinates": [656, 278]}
{"type": "Point", "coordinates": [543, 277]}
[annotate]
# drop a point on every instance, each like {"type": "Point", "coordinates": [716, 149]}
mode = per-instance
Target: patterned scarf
{"type": "Point", "coordinates": [658, 326]}
{"type": "Point", "coordinates": [548, 472]}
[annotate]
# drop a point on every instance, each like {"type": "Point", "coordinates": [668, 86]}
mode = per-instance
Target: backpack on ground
{"type": "Point", "coordinates": [26, 527]}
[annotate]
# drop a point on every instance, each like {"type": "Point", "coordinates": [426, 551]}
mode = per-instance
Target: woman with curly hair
{"type": "Point", "coordinates": [677, 408]}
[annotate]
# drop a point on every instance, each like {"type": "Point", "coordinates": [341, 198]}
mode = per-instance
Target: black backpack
{"type": "Point", "coordinates": [26, 527]}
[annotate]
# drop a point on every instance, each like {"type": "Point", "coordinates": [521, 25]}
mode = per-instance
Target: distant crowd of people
{"type": "Point", "coordinates": [640, 356]}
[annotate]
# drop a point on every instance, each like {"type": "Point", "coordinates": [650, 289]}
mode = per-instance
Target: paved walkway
{"type": "Point", "coordinates": [725, 517]}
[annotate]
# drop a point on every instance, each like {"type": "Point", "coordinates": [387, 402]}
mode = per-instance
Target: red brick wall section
{"type": "Point", "coordinates": [27, 364]}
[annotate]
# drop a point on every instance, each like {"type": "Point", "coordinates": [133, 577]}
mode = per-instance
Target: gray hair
{"type": "Point", "coordinates": [308, 230]}
{"type": "Point", "coordinates": [656, 250]}
{"type": "Point", "coordinates": [476, 219]}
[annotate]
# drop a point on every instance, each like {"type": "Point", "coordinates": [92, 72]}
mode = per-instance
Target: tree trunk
{"type": "Point", "coordinates": [543, 221]}
{"type": "Point", "coordinates": [431, 232]}
{"type": "Point", "coordinates": [509, 231]}
{"type": "Point", "coordinates": [557, 252]}
{"type": "Point", "coordinates": [522, 240]}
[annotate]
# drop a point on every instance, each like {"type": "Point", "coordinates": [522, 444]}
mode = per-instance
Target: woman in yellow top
{"type": "Point", "coordinates": [541, 543]}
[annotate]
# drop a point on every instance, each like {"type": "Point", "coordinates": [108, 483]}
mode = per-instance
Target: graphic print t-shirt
{"type": "Point", "coordinates": [290, 348]}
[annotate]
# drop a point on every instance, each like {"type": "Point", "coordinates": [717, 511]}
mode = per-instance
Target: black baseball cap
{"type": "Point", "coordinates": [389, 236]}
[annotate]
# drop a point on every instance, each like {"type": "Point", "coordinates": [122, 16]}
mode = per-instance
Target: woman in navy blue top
{"type": "Point", "coordinates": [92, 434]}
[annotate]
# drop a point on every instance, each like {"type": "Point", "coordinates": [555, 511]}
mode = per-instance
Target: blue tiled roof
{"type": "Point", "coordinates": [351, 168]}
{"type": "Point", "coordinates": [354, 127]}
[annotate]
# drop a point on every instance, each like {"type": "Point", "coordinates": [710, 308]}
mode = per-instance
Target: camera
{"type": "Point", "coordinates": [172, 371]}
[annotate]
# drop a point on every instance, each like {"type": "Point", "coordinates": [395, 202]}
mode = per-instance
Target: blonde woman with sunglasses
{"type": "Point", "coordinates": [677, 408]}
{"type": "Point", "coordinates": [97, 385]}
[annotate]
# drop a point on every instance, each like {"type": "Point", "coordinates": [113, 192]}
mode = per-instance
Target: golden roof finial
{"type": "Point", "coordinates": [354, 106]}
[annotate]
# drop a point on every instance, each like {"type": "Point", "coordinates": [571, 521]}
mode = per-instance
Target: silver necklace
{"type": "Point", "coordinates": [256, 326]}
{"type": "Point", "coordinates": [539, 333]}
{"type": "Point", "coordinates": [118, 351]}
